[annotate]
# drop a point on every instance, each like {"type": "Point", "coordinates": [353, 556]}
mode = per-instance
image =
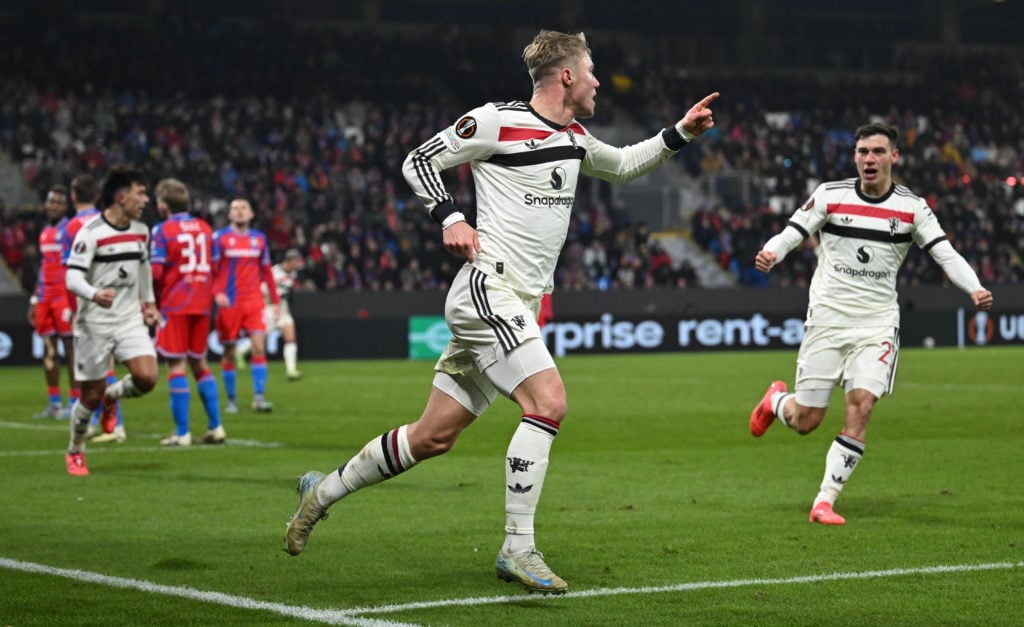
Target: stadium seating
{"type": "Point", "coordinates": [314, 129]}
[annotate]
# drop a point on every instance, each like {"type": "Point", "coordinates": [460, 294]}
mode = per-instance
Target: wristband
{"type": "Point", "coordinates": [442, 210]}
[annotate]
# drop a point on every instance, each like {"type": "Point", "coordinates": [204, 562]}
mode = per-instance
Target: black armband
{"type": "Point", "coordinates": [802, 230]}
{"type": "Point", "coordinates": [935, 241]}
{"type": "Point", "coordinates": [442, 210]}
{"type": "Point", "coordinates": [672, 139]}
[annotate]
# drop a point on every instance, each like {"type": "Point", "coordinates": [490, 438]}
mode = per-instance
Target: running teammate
{"type": "Point", "coordinates": [109, 273]}
{"type": "Point", "coordinates": [108, 423]}
{"type": "Point", "coordinates": [852, 339]}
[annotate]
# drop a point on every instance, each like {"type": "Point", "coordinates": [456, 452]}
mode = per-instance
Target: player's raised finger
{"type": "Point", "coordinates": [709, 99]}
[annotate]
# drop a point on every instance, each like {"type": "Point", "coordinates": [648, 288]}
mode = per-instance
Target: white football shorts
{"type": "Point", "coordinates": [496, 342]}
{"type": "Point", "coordinates": [284, 320]}
{"type": "Point", "coordinates": [855, 358]}
{"type": "Point", "coordinates": [93, 349]}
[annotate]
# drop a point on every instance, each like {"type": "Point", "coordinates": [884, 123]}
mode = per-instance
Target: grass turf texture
{"type": "Point", "coordinates": [654, 482]}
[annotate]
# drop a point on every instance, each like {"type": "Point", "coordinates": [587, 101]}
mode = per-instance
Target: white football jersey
{"type": "Point", "coordinates": [863, 242]}
{"type": "Point", "coordinates": [112, 257]}
{"type": "Point", "coordinates": [285, 282]}
{"type": "Point", "coordinates": [525, 169]}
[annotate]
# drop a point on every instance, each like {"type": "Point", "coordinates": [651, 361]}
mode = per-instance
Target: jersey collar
{"type": "Point", "coordinates": [114, 226]}
{"type": "Point", "coordinates": [554, 125]}
{"type": "Point", "coordinates": [874, 199]}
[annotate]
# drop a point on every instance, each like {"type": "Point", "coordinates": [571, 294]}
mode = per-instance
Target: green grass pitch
{"type": "Point", "coordinates": [659, 507]}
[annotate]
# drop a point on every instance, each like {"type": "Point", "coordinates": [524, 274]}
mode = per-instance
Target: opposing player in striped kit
{"type": "Point", "coordinates": [526, 158]}
{"type": "Point", "coordinates": [49, 312]}
{"type": "Point", "coordinates": [852, 338]}
{"type": "Point", "coordinates": [180, 256]}
{"type": "Point", "coordinates": [241, 263]}
{"type": "Point", "coordinates": [108, 271]}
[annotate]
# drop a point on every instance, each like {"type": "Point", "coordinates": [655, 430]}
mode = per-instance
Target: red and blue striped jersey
{"type": "Point", "coordinates": [241, 261]}
{"type": "Point", "coordinates": [67, 237]}
{"type": "Point", "coordinates": [71, 228]}
{"type": "Point", "coordinates": [51, 269]}
{"type": "Point", "coordinates": [181, 253]}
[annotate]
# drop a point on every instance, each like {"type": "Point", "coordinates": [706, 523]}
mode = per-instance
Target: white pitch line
{"type": "Point", "coordinates": [353, 616]}
{"type": "Point", "coordinates": [332, 617]}
{"type": "Point", "coordinates": [92, 450]}
{"type": "Point", "coordinates": [120, 448]}
{"type": "Point", "coordinates": [684, 587]}
{"type": "Point", "coordinates": [102, 450]}
{"type": "Point", "coordinates": [36, 426]}
{"type": "Point", "coordinates": [99, 449]}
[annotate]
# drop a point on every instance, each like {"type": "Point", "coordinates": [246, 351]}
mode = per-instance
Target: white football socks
{"type": "Point", "coordinates": [290, 352]}
{"type": "Point", "coordinates": [526, 464]}
{"type": "Point", "coordinates": [840, 462]}
{"type": "Point", "coordinates": [78, 425]}
{"type": "Point", "coordinates": [778, 402]}
{"type": "Point", "coordinates": [381, 458]}
{"type": "Point", "coordinates": [125, 388]}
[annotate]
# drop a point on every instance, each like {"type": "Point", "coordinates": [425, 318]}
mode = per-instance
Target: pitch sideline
{"type": "Point", "coordinates": [686, 587]}
{"type": "Point", "coordinates": [332, 617]}
{"type": "Point", "coordinates": [353, 616]}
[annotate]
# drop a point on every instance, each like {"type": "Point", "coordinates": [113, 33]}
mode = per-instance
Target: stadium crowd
{"type": "Point", "coordinates": [315, 139]}
{"type": "Point", "coordinates": [961, 145]}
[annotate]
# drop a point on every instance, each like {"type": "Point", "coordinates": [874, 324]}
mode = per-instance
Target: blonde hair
{"type": "Point", "coordinates": [550, 49]}
{"type": "Point", "coordinates": [174, 193]}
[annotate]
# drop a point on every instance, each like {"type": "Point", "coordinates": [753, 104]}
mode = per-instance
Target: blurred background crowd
{"type": "Point", "coordinates": [311, 119]}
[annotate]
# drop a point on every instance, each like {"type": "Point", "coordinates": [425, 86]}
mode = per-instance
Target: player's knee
{"type": "Point", "coordinates": [861, 406]}
{"type": "Point", "coordinates": [552, 406]}
{"type": "Point", "coordinates": [555, 409]}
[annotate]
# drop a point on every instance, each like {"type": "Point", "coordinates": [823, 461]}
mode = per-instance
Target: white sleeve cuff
{"type": "Point", "coordinates": [685, 134]}
{"type": "Point", "coordinates": [452, 219]}
{"type": "Point", "coordinates": [784, 241]}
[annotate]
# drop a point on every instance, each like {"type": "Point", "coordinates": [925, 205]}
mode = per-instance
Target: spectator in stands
{"type": "Point", "coordinates": [308, 158]}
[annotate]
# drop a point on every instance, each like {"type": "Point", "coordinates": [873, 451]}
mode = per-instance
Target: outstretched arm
{"type": "Point", "coordinates": [619, 165]}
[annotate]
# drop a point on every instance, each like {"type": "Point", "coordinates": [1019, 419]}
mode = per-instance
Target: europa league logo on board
{"type": "Point", "coordinates": [980, 328]}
